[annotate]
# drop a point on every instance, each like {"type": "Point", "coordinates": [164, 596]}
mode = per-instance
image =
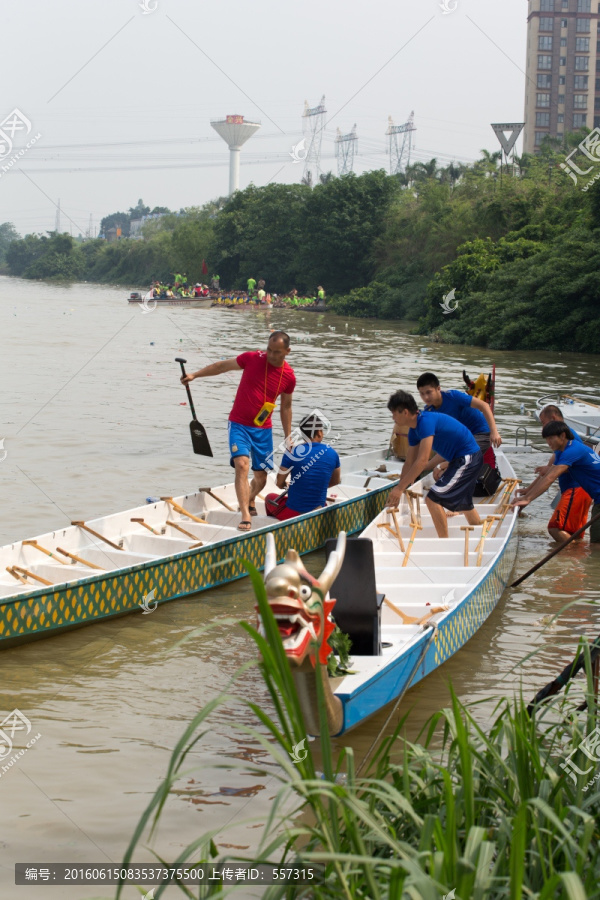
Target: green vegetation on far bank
{"type": "Point", "coordinates": [517, 250]}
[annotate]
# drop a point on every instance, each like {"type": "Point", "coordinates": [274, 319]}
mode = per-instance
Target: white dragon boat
{"type": "Point", "coordinates": [129, 561]}
{"type": "Point", "coordinates": [581, 415]}
{"type": "Point", "coordinates": [408, 599]}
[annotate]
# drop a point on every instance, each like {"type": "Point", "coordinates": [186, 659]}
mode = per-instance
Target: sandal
{"type": "Point", "coordinates": [245, 525]}
{"type": "Point", "coordinates": [252, 510]}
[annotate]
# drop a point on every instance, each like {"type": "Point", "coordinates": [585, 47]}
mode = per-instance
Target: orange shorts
{"type": "Point", "coordinates": [572, 511]}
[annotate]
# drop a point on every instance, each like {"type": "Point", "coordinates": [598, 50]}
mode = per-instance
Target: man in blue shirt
{"type": "Point", "coordinates": [475, 414]}
{"type": "Point", "coordinates": [453, 443]}
{"type": "Point", "coordinates": [313, 468]}
{"type": "Point", "coordinates": [574, 458]}
{"type": "Point", "coordinates": [574, 503]}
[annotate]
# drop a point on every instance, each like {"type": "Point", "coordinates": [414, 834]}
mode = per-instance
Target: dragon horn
{"type": "Point", "coordinates": [271, 555]}
{"type": "Point", "coordinates": [334, 563]}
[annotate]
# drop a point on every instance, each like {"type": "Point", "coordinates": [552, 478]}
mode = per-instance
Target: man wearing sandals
{"type": "Point", "coordinates": [265, 376]}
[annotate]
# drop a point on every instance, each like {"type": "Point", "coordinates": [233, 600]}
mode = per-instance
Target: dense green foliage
{"type": "Point", "coordinates": [517, 247]}
{"type": "Point", "coordinates": [489, 814]}
{"type": "Point", "coordinates": [8, 234]}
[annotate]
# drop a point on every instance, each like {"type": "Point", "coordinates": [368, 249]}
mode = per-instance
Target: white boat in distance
{"type": "Point", "coordinates": [581, 415]}
{"type": "Point", "coordinates": [149, 302]}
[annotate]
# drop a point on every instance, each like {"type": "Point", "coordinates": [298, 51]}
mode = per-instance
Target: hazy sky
{"type": "Point", "coordinates": [123, 99]}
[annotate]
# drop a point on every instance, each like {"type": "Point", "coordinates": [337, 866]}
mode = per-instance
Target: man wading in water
{"type": "Point", "coordinates": [265, 377]}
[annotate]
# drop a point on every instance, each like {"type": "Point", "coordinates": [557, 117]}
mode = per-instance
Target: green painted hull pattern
{"type": "Point", "coordinates": [52, 610]}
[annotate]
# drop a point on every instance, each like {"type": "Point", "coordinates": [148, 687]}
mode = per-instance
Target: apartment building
{"type": "Point", "coordinates": [562, 88]}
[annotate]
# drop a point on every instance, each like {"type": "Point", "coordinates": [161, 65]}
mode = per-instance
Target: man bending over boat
{"type": "Point", "coordinates": [452, 442]}
{"type": "Point", "coordinates": [265, 377]}
{"type": "Point", "coordinates": [570, 457]}
{"type": "Point", "coordinates": [475, 414]}
{"type": "Point", "coordinates": [313, 467]}
{"type": "Point", "coordinates": [574, 503]}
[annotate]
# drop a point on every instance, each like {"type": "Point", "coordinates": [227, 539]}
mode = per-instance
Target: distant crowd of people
{"type": "Point", "coordinates": [256, 293]}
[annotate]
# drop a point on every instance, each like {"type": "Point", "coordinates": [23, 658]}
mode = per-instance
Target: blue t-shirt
{"type": "Point", "coordinates": [458, 405]}
{"type": "Point", "coordinates": [312, 466]}
{"type": "Point", "coordinates": [567, 481]}
{"type": "Point", "coordinates": [451, 439]}
{"type": "Point", "coordinates": [584, 467]}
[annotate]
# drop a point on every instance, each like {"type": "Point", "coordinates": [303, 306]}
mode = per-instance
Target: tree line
{"type": "Point", "coordinates": [515, 248]}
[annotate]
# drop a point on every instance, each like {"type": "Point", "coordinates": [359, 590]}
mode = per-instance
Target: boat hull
{"type": "Point", "coordinates": [452, 634]}
{"type": "Point", "coordinates": [193, 303]}
{"type": "Point", "coordinates": [52, 610]}
{"type": "Point", "coordinates": [579, 414]}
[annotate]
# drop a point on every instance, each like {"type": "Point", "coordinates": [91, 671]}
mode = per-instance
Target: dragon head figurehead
{"type": "Point", "coordinates": [301, 604]}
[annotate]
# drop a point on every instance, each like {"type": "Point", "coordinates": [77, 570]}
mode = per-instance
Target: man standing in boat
{"type": "Point", "coordinates": [574, 503]}
{"type": "Point", "coordinates": [453, 443]}
{"type": "Point", "coordinates": [265, 377]}
{"type": "Point", "coordinates": [571, 457]}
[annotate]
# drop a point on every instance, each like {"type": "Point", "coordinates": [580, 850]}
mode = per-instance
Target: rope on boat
{"type": "Point", "coordinates": [566, 675]}
{"type": "Point", "coordinates": [433, 626]}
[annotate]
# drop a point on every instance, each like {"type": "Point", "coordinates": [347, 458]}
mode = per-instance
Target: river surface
{"type": "Point", "coordinates": [93, 423]}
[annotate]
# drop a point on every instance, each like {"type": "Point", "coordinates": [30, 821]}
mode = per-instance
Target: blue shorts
{"type": "Point", "coordinates": [454, 490]}
{"type": "Point", "coordinates": [256, 443]}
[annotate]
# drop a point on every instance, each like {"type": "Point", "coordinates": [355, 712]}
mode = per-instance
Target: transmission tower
{"type": "Point", "coordinates": [312, 128]}
{"type": "Point", "coordinates": [57, 219]}
{"type": "Point", "coordinates": [400, 150]}
{"type": "Point", "coordinates": [90, 231]}
{"type": "Point", "coordinates": [346, 145]}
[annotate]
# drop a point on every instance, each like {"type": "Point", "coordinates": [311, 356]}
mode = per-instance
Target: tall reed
{"type": "Point", "coordinates": [488, 815]}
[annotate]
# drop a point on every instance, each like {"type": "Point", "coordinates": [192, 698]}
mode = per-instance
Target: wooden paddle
{"type": "Point", "coordinates": [200, 442]}
{"type": "Point", "coordinates": [556, 550]}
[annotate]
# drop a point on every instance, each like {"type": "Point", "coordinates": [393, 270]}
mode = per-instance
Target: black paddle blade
{"type": "Point", "coordinates": [199, 439]}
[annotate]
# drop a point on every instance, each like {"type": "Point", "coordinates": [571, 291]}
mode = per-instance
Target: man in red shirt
{"type": "Point", "coordinates": [265, 377]}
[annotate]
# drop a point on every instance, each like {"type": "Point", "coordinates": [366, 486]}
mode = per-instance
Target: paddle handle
{"type": "Point", "coordinates": [187, 387]}
{"type": "Point", "coordinates": [555, 551]}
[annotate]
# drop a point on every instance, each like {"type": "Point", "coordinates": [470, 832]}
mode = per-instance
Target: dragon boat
{"type": "Point", "coordinates": [408, 600]}
{"type": "Point", "coordinates": [149, 302]}
{"type": "Point", "coordinates": [127, 562]}
{"type": "Point", "coordinates": [580, 415]}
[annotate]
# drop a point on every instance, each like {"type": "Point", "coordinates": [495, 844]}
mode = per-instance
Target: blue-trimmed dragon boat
{"type": "Point", "coordinates": [128, 562]}
{"type": "Point", "coordinates": [430, 596]}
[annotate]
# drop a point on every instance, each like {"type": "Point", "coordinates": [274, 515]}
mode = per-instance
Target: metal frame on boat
{"type": "Point", "coordinates": [106, 567]}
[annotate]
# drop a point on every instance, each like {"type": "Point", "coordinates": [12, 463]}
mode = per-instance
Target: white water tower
{"type": "Point", "coordinates": [235, 132]}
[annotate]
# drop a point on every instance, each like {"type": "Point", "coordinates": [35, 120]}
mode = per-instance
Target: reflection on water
{"type": "Point", "coordinates": [94, 420]}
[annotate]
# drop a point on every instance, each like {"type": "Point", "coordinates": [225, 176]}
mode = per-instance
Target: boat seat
{"type": "Point", "coordinates": [358, 605]}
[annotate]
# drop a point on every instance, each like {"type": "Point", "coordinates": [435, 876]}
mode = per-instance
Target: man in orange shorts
{"type": "Point", "coordinates": [574, 505]}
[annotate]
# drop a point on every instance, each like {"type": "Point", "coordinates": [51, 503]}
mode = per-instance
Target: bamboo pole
{"type": "Point", "coordinates": [29, 574]}
{"type": "Point", "coordinates": [182, 511]}
{"type": "Point", "coordinates": [97, 534]}
{"type": "Point", "coordinates": [410, 545]}
{"type": "Point", "coordinates": [79, 559]}
{"type": "Point", "coordinates": [39, 547]}
{"type": "Point", "coordinates": [467, 529]}
{"type": "Point", "coordinates": [16, 575]}
{"type": "Point", "coordinates": [218, 499]}
{"type": "Point", "coordinates": [183, 531]}
{"type": "Point", "coordinates": [149, 527]}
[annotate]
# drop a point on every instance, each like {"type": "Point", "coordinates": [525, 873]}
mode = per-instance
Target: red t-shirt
{"type": "Point", "coordinates": [250, 395]}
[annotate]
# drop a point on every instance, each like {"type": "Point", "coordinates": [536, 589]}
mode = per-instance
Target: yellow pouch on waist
{"type": "Point", "coordinates": [265, 411]}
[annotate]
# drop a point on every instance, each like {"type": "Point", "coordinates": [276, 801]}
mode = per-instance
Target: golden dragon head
{"type": "Point", "coordinates": [300, 602]}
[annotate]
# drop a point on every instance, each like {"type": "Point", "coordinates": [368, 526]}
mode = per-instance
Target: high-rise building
{"type": "Point", "coordinates": [562, 88]}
